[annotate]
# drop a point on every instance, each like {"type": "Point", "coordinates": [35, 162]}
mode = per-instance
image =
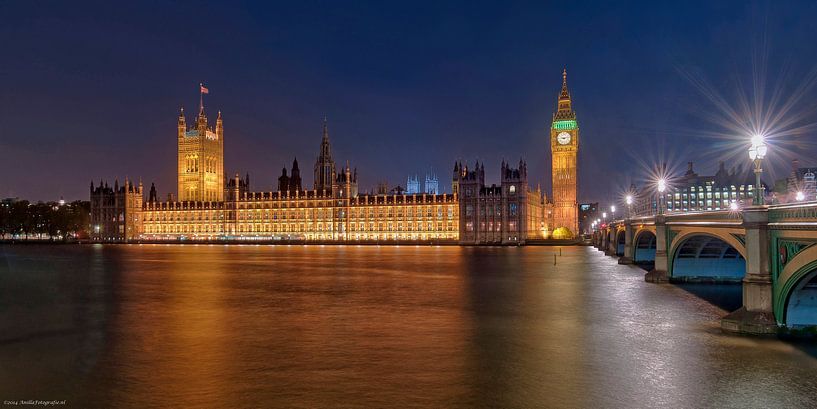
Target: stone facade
{"type": "Point", "coordinates": [116, 211]}
{"type": "Point", "coordinates": [510, 213]}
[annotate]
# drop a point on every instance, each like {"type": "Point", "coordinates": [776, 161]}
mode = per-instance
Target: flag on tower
{"type": "Point", "coordinates": [204, 90]}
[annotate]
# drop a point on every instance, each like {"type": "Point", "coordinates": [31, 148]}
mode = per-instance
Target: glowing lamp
{"type": "Point", "coordinates": [800, 196]}
{"type": "Point", "coordinates": [757, 151]}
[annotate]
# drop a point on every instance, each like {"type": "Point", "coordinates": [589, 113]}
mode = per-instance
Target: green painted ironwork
{"type": "Point", "coordinates": [565, 125]}
{"type": "Point", "coordinates": [782, 291]}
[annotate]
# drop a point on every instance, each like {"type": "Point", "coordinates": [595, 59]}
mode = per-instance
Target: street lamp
{"type": "Point", "coordinates": [757, 151]}
{"type": "Point", "coordinates": [629, 201]}
{"type": "Point", "coordinates": [800, 196]}
{"type": "Point", "coordinates": [662, 186]}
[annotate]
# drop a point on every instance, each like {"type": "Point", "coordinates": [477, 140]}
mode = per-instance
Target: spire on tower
{"type": "Point", "coordinates": [565, 94]}
{"type": "Point", "coordinates": [564, 109]}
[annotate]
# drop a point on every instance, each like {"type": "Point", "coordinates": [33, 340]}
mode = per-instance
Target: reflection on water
{"type": "Point", "coordinates": [329, 326]}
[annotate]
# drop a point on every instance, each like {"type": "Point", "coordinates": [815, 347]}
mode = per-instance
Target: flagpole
{"type": "Point", "coordinates": [201, 98]}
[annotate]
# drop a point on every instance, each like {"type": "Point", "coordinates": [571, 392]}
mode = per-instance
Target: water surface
{"type": "Point", "coordinates": [332, 326]}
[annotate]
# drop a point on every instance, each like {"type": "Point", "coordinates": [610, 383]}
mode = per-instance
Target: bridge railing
{"type": "Point", "coordinates": [794, 214]}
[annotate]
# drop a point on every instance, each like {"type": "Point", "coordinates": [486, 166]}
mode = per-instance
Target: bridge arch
{"type": "Point", "coordinates": [644, 246]}
{"type": "Point", "coordinates": [707, 255]}
{"type": "Point", "coordinates": [620, 241]}
{"type": "Point", "coordinates": [796, 299]}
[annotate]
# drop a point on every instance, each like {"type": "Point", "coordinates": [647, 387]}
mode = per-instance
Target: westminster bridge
{"type": "Point", "coordinates": [769, 249]}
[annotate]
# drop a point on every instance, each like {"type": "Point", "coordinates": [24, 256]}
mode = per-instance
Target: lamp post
{"type": "Point", "coordinates": [800, 196]}
{"type": "Point", "coordinates": [629, 200]}
{"type": "Point", "coordinates": [757, 151]}
{"type": "Point", "coordinates": [662, 186]}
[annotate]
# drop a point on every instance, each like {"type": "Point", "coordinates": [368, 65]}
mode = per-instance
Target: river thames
{"type": "Point", "coordinates": [211, 326]}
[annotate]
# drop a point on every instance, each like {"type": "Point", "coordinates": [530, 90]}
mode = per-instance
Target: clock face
{"type": "Point", "coordinates": [563, 138]}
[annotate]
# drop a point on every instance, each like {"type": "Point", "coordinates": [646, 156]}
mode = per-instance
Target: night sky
{"type": "Point", "coordinates": [93, 90]}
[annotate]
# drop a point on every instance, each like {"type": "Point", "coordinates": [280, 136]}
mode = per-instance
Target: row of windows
{"type": "Point", "coordinates": [513, 209]}
{"type": "Point", "coordinates": [490, 226]}
{"type": "Point", "coordinates": [299, 228]}
{"type": "Point", "coordinates": [192, 163]}
{"type": "Point", "coordinates": [710, 195]}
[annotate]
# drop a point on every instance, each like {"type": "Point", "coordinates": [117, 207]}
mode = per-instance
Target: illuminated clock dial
{"type": "Point", "coordinates": [563, 138]}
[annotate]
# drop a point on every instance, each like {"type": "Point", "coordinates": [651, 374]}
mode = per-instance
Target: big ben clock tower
{"type": "Point", "coordinates": [564, 146]}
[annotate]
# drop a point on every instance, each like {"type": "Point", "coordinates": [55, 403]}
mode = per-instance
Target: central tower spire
{"type": "Point", "coordinates": [324, 165]}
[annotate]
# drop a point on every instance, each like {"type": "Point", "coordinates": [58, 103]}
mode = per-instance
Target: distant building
{"type": "Point", "coordinates": [510, 213]}
{"type": "Point", "coordinates": [800, 181]}
{"type": "Point", "coordinates": [588, 212]}
{"type": "Point", "coordinates": [413, 185]}
{"type": "Point", "coordinates": [692, 192]}
{"type": "Point", "coordinates": [432, 186]}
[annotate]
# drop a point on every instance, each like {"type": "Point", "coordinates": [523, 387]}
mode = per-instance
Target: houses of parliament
{"type": "Point", "coordinates": [213, 207]}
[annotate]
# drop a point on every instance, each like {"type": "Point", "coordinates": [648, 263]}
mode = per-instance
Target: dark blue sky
{"type": "Point", "coordinates": [92, 90]}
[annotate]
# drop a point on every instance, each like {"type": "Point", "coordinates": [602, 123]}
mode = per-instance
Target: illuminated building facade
{"type": "Point", "coordinates": [695, 193]}
{"type": "Point", "coordinates": [692, 192]}
{"type": "Point", "coordinates": [413, 184]}
{"type": "Point", "coordinates": [331, 211]}
{"type": "Point", "coordinates": [432, 185]}
{"type": "Point", "coordinates": [201, 159]}
{"type": "Point", "coordinates": [510, 213]}
{"type": "Point", "coordinates": [564, 147]}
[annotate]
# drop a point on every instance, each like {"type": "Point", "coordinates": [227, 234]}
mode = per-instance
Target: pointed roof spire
{"type": "Point", "coordinates": [325, 129]}
{"type": "Point", "coordinates": [564, 108]}
{"type": "Point", "coordinates": [565, 94]}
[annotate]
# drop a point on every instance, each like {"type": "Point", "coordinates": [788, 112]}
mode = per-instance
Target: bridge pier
{"type": "Point", "coordinates": [610, 250]}
{"type": "Point", "coordinates": [602, 240]}
{"type": "Point", "coordinates": [659, 274]}
{"type": "Point", "coordinates": [627, 258]}
{"type": "Point", "coordinates": [756, 316]}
